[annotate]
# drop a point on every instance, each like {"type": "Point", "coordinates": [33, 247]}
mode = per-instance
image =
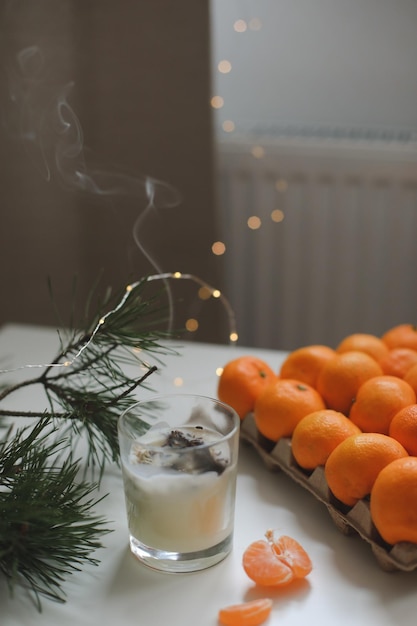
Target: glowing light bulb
{"type": "Point", "coordinates": [224, 66]}
{"type": "Point", "coordinates": [218, 248]}
{"type": "Point", "coordinates": [204, 293]}
{"type": "Point", "coordinates": [233, 337]}
{"type": "Point", "coordinates": [277, 215]}
{"type": "Point", "coordinates": [228, 126]}
{"type": "Point", "coordinates": [281, 185]}
{"type": "Point", "coordinates": [258, 152]}
{"type": "Point", "coordinates": [191, 325]}
{"type": "Point", "coordinates": [216, 293]}
{"type": "Point", "coordinates": [254, 222]}
{"type": "Point", "coordinates": [177, 275]}
{"type": "Point", "coordinates": [240, 26]}
{"type": "Point", "coordinates": [217, 102]}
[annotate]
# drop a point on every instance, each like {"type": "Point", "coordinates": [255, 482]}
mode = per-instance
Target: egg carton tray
{"type": "Point", "coordinates": [354, 520]}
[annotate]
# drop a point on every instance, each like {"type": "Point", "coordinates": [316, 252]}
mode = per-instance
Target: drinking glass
{"type": "Point", "coordinates": [179, 457]}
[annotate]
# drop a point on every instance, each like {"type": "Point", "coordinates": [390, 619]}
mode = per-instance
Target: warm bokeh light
{"type": "Point", "coordinates": [281, 185]}
{"type": "Point", "coordinates": [204, 293]}
{"type": "Point", "coordinates": [191, 325]}
{"type": "Point", "coordinates": [277, 215]}
{"type": "Point", "coordinates": [228, 126]}
{"type": "Point", "coordinates": [224, 66]}
{"type": "Point", "coordinates": [234, 337]}
{"type": "Point", "coordinates": [178, 382]}
{"type": "Point", "coordinates": [258, 152]}
{"type": "Point", "coordinates": [218, 248]}
{"type": "Point", "coordinates": [217, 102]}
{"type": "Point", "coordinates": [219, 371]}
{"type": "Point", "coordinates": [240, 26]}
{"type": "Point", "coordinates": [254, 222]}
{"type": "Point", "coordinates": [216, 293]}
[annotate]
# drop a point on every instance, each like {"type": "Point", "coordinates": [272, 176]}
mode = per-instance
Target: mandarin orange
{"type": "Point", "coordinates": [241, 382]}
{"type": "Point", "coordinates": [317, 434]}
{"type": "Point", "coordinates": [403, 428]}
{"type": "Point", "coordinates": [251, 613]}
{"type": "Point", "coordinates": [305, 363]}
{"type": "Point", "coordinates": [401, 336]}
{"type": "Point", "coordinates": [277, 561]}
{"type": "Point", "coordinates": [364, 342]}
{"type": "Point", "coordinates": [282, 404]}
{"type": "Point", "coordinates": [291, 552]}
{"type": "Point", "coordinates": [354, 464]}
{"type": "Point", "coordinates": [393, 503]}
{"type": "Point", "coordinates": [341, 377]}
{"type": "Point", "coordinates": [398, 361]}
{"type": "Point", "coordinates": [411, 377]}
{"type": "Point", "coordinates": [378, 400]}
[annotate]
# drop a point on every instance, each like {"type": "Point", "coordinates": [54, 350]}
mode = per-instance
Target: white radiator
{"type": "Point", "coordinates": [343, 259]}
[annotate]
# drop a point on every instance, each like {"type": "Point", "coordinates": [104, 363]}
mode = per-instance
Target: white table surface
{"type": "Point", "coordinates": [345, 587]}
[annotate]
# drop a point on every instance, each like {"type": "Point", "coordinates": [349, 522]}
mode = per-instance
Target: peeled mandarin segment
{"type": "Point", "coordinates": [263, 567]}
{"type": "Point", "coordinates": [291, 553]}
{"type": "Point", "coordinates": [246, 614]}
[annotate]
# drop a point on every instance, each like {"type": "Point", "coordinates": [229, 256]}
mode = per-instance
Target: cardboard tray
{"type": "Point", "coordinates": [350, 520]}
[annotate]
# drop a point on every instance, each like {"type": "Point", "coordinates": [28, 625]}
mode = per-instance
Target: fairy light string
{"type": "Point", "coordinates": [215, 293]}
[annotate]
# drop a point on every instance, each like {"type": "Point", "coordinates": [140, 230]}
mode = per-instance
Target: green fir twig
{"type": "Point", "coordinates": [47, 525]}
{"type": "Point", "coordinates": [48, 528]}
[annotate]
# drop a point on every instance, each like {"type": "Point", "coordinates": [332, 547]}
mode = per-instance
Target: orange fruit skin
{"type": "Point", "coordinates": [401, 336]}
{"type": "Point", "coordinates": [263, 567]}
{"type": "Point", "coordinates": [250, 613]}
{"type": "Point", "coordinates": [378, 400]}
{"type": "Point", "coordinates": [305, 363]}
{"type": "Point", "coordinates": [411, 377]}
{"type": "Point", "coordinates": [317, 435]}
{"type": "Point", "coordinates": [354, 464]}
{"type": "Point", "coordinates": [282, 404]}
{"type": "Point", "coordinates": [241, 382]}
{"type": "Point", "coordinates": [364, 342]}
{"type": "Point", "coordinates": [393, 503]}
{"type": "Point", "coordinates": [398, 361]}
{"type": "Point", "coordinates": [403, 428]}
{"type": "Point", "coordinates": [341, 377]}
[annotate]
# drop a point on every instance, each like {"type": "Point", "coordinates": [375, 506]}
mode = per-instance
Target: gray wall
{"type": "Point", "coordinates": [97, 98]}
{"type": "Point", "coordinates": [329, 64]}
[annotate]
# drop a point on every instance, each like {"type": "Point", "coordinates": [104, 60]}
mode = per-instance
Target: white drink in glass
{"type": "Point", "coordinates": [179, 484]}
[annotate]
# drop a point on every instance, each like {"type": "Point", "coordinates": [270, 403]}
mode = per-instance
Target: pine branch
{"type": "Point", "coordinates": [47, 526]}
{"type": "Point", "coordinates": [94, 389]}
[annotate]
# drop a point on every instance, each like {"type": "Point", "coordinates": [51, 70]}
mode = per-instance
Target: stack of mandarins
{"type": "Point", "coordinates": [351, 410]}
